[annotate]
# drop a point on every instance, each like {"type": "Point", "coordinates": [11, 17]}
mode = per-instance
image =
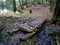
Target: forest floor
{"type": "Point", "coordinates": [46, 36]}
{"type": "Point", "coordinates": [39, 9]}
{"type": "Point", "coordinates": [40, 38]}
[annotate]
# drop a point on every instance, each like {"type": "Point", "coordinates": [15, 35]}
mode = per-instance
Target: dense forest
{"type": "Point", "coordinates": [29, 22]}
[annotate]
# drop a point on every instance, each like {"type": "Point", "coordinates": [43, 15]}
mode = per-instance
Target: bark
{"type": "Point", "coordinates": [20, 2]}
{"type": "Point", "coordinates": [56, 12]}
{"type": "Point", "coordinates": [26, 3]}
{"type": "Point", "coordinates": [14, 6]}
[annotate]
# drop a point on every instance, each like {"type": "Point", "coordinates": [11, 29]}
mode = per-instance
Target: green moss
{"type": "Point", "coordinates": [31, 41]}
{"type": "Point", "coordinates": [31, 14]}
{"type": "Point", "coordinates": [4, 36]}
{"type": "Point", "coordinates": [57, 41]}
{"type": "Point", "coordinates": [21, 43]}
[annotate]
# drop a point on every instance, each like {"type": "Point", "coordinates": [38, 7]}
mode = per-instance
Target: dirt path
{"type": "Point", "coordinates": [39, 9]}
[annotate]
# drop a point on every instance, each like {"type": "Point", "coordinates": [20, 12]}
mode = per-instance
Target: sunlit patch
{"type": "Point", "coordinates": [4, 0]}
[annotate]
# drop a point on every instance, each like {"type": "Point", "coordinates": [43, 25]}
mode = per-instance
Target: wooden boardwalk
{"type": "Point", "coordinates": [28, 28]}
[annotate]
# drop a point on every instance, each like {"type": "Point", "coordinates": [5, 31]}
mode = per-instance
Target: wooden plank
{"type": "Point", "coordinates": [11, 28]}
{"type": "Point", "coordinates": [27, 36]}
{"type": "Point", "coordinates": [22, 35]}
{"type": "Point", "coordinates": [29, 27]}
{"type": "Point", "coordinates": [25, 27]}
{"type": "Point", "coordinates": [37, 22]}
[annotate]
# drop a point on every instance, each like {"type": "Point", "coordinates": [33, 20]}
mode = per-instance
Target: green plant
{"type": "Point", "coordinates": [31, 42]}
{"type": "Point", "coordinates": [3, 35]}
{"type": "Point", "coordinates": [2, 27]}
{"type": "Point", "coordinates": [57, 41]}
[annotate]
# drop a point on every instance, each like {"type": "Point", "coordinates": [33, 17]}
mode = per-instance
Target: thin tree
{"type": "Point", "coordinates": [34, 2]}
{"type": "Point", "coordinates": [46, 1]}
{"type": "Point", "coordinates": [14, 6]}
{"type": "Point", "coordinates": [2, 5]}
{"type": "Point", "coordinates": [20, 3]}
{"type": "Point", "coordinates": [42, 2]}
{"type": "Point", "coordinates": [26, 3]}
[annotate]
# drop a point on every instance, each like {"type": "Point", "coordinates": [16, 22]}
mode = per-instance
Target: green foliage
{"type": "Point", "coordinates": [2, 35]}
{"type": "Point", "coordinates": [57, 41]}
{"type": "Point", "coordinates": [31, 42]}
{"type": "Point", "coordinates": [31, 14]}
{"type": "Point", "coordinates": [52, 4]}
{"type": "Point", "coordinates": [2, 27]}
{"type": "Point", "coordinates": [2, 5]}
{"type": "Point", "coordinates": [21, 43]}
{"type": "Point", "coordinates": [58, 20]}
{"type": "Point", "coordinates": [13, 4]}
{"type": "Point", "coordinates": [22, 7]}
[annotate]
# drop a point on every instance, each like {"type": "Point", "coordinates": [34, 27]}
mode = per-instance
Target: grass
{"type": "Point", "coordinates": [31, 14]}
{"type": "Point", "coordinates": [12, 14]}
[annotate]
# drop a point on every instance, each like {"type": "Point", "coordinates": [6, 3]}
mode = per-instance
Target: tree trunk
{"type": "Point", "coordinates": [42, 2]}
{"type": "Point", "coordinates": [26, 3]}
{"type": "Point", "coordinates": [14, 6]}
{"type": "Point", "coordinates": [20, 3]}
{"type": "Point", "coordinates": [34, 2]}
{"type": "Point", "coordinates": [2, 5]}
{"type": "Point", "coordinates": [56, 12]}
{"type": "Point", "coordinates": [46, 1]}
{"type": "Point", "coordinates": [22, 6]}
{"type": "Point", "coordinates": [51, 3]}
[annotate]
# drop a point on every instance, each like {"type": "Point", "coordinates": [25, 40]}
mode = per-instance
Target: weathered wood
{"type": "Point", "coordinates": [25, 27]}
{"type": "Point", "coordinates": [25, 35]}
{"type": "Point", "coordinates": [11, 28]}
{"type": "Point", "coordinates": [28, 35]}
{"type": "Point", "coordinates": [22, 35]}
{"type": "Point", "coordinates": [29, 27]}
{"type": "Point", "coordinates": [37, 22]}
